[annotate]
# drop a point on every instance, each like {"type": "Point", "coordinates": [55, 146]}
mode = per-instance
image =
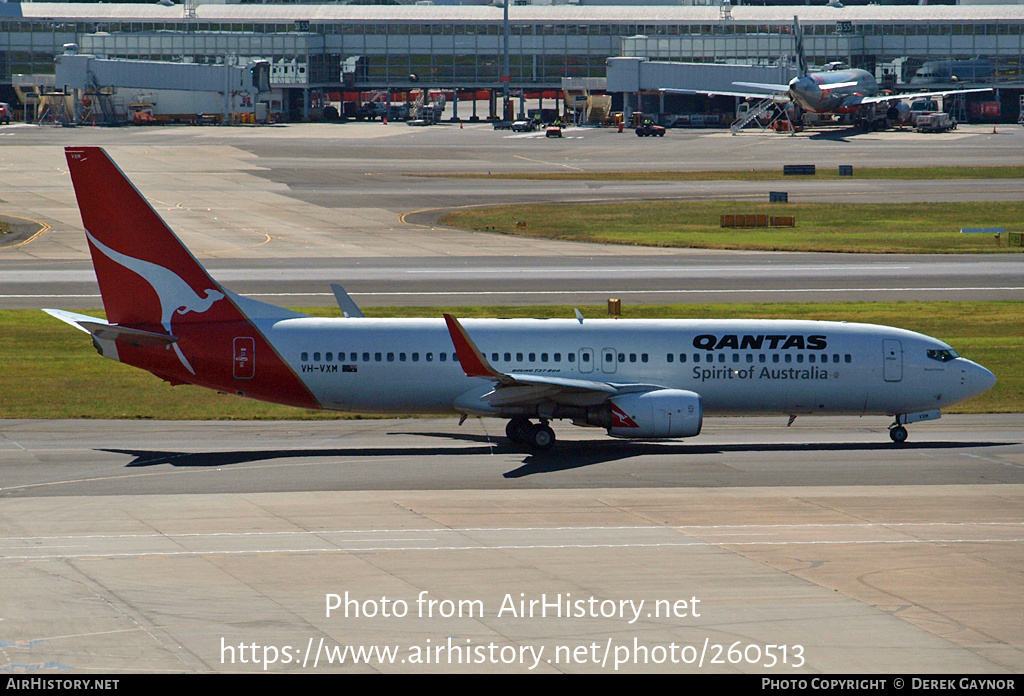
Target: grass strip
{"type": "Point", "coordinates": [829, 227]}
{"type": "Point", "coordinates": [49, 370]}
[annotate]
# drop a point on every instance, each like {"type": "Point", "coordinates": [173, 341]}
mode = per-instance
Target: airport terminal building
{"type": "Point", "coordinates": [315, 48]}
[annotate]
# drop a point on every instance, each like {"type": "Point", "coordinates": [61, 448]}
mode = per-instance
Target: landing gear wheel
{"type": "Point", "coordinates": [518, 430]}
{"type": "Point", "coordinates": [542, 437]}
{"type": "Point", "coordinates": [898, 434]}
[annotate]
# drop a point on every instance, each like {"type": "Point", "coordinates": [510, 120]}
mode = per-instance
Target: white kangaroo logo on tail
{"type": "Point", "coordinates": [176, 296]}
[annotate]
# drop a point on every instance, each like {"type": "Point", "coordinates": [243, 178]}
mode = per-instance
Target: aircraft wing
{"type": "Point", "coordinates": [921, 95]}
{"type": "Point", "coordinates": [520, 389]}
{"type": "Point", "coordinates": [779, 97]}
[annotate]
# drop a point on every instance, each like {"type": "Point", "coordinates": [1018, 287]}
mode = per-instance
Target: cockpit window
{"type": "Point", "coordinates": [943, 355]}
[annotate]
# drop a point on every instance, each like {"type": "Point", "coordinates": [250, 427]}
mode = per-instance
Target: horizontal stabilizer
{"type": "Point", "coordinates": [111, 332]}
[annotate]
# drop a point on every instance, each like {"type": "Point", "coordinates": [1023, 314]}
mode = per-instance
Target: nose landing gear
{"type": "Point", "coordinates": [898, 433]}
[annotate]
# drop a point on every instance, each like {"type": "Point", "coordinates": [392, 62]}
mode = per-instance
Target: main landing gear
{"type": "Point", "coordinates": [537, 436]}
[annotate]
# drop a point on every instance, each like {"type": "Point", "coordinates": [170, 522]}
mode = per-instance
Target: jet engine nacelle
{"type": "Point", "coordinates": [659, 413]}
{"type": "Point", "coordinates": [899, 113]}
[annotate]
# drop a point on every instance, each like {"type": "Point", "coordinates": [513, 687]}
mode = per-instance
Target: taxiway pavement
{"type": "Point", "coordinates": [193, 547]}
{"type": "Point", "coordinates": [820, 548]}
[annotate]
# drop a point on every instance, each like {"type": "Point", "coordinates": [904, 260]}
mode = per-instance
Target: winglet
{"type": "Point", "coordinates": [472, 360]}
{"type": "Point", "coordinates": [346, 304]}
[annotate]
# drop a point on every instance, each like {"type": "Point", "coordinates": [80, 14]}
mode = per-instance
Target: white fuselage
{"type": "Point", "coordinates": [736, 366]}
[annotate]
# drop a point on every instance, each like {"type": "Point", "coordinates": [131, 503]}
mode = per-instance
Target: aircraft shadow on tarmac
{"type": "Point", "coordinates": [564, 457]}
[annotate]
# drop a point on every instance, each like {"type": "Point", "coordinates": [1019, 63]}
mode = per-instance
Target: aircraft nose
{"type": "Point", "coordinates": [979, 379]}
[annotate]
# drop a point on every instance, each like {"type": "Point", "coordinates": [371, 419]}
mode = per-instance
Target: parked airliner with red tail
{"type": "Point", "coordinates": [634, 378]}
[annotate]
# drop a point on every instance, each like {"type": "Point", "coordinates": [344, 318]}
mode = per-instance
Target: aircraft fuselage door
{"type": "Point", "coordinates": [586, 359]}
{"type": "Point", "coordinates": [892, 360]}
{"type": "Point", "coordinates": [608, 360]}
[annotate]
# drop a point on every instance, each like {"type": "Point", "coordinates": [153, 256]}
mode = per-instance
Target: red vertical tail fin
{"type": "Point", "coordinates": [170, 317]}
{"type": "Point", "coordinates": [146, 275]}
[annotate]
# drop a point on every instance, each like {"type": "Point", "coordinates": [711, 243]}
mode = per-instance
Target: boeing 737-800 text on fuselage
{"type": "Point", "coordinates": [634, 378]}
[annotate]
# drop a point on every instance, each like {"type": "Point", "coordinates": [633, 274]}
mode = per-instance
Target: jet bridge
{"type": "Point", "coordinates": [201, 89]}
{"type": "Point", "coordinates": [634, 75]}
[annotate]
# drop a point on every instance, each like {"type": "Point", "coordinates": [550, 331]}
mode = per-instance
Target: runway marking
{"type": "Point", "coordinates": [600, 528]}
{"type": "Point", "coordinates": [199, 211]}
{"type": "Point", "coordinates": [994, 461]}
{"type": "Point", "coordinates": [475, 539]}
{"type": "Point", "coordinates": [43, 228]}
{"type": "Point", "coordinates": [550, 164]}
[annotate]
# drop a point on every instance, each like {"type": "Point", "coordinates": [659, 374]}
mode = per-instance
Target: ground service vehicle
{"type": "Point", "coordinates": [649, 129]}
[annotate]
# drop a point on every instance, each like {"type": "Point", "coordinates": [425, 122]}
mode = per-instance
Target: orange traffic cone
{"type": "Point", "coordinates": [384, 120]}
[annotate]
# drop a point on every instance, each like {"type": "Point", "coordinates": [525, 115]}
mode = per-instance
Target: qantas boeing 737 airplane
{"type": "Point", "coordinates": [634, 378]}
